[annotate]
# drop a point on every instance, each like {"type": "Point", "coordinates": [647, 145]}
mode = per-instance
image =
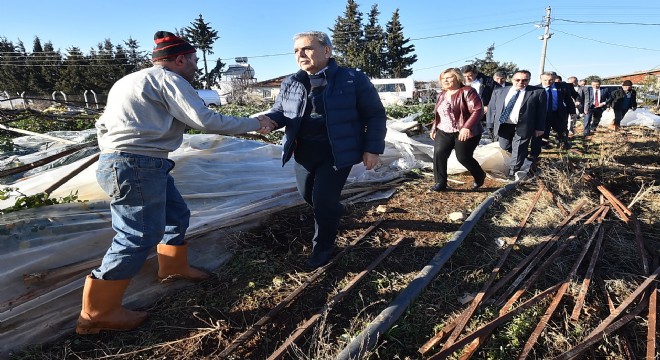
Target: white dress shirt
{"type": "Point", "coordinates": [513, 118]}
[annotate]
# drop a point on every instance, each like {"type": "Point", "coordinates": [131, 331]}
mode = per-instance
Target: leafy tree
{"type": "Point", "coordinates": [202, 37]}
{"type": "Point", "coordinates": [489, 66]}
{"type": "Point", "coordinates": [348, 37]}
{"type": "Point", "coordinates": [398, 55]}
{"type": "Point", "coordinates": [374, 39]}
{"type": "Point", "coordinates": [591, 78]}
{"type": "Point", "coordinates": [216, 73]}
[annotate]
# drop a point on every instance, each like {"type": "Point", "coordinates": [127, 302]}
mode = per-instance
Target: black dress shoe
{"type": "Point", "coordinates": [319, 258]}
{"type": "Point", "coordinates": [478, 182]}
{"type": "Point", "coordinates": [439, 187]}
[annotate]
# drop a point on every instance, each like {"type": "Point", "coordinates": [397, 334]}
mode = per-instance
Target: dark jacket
{"type": "Point", "coordinates": [604, 97]}
{"type": "Point", "coordinates": [532, 115]}
{"type": "Point", "coordinates": [467, 110]}
{"type": "Point", "coordinates": [355, 116]}
{"type": "Point", "coordinates": [616, 101]}
{"type": "Point", "coordinates": [565, 95]}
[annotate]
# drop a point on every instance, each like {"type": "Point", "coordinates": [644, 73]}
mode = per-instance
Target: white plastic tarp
{"type": "Point", "coordinates": [639, 117]}
{"type": "Point", "coordinates": [225, 181]}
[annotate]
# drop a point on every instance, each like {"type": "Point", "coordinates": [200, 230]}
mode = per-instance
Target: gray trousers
{"type": "Point", "coordinates": [515, 144]}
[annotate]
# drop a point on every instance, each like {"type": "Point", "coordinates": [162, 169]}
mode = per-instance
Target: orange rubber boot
{"type": "Point", "coordinates": [102, 310]}
{"type": "Point", "coordinates": [173, 264]}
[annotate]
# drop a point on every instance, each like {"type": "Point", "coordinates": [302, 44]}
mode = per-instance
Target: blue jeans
{"type": "Point", "coordinates": [320, 184]}
{"type": "Point", "coordinates": [146, 209]}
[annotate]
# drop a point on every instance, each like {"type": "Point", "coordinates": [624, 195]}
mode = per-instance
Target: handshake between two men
{"type": "Point", "coordinates": [266, 124]}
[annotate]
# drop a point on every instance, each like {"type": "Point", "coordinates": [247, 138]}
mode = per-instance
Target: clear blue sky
{"type": "Point", "coordinates": [262, 30]}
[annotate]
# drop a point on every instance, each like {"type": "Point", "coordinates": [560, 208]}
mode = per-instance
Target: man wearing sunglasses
{"type": "Point", "coordinates": [518, 113]}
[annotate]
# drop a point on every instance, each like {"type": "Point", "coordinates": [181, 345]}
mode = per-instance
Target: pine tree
{"type": "Point", "coordinates": [398, 57]}
{"type": "Point", "coordinates": [101, 71]}
{"type": "Point", "coordinates": [202, 37]}
{"type": "Point", "coordinates": [374, 39]}
{"type": "Point", "coordinates": [489, 66]}
{"type": "Point", "coordinates": [136, 59]}
{"type": "Point", "coordinates": [34, 69]}
{"type": "Point", "coordinates": [348, 38]}
{"type": "Point", "coordinates": [51, 67]}
{"type": "Point", "coordinates": [72, 76]}
{"type": "Point", "coordinates": [14, 73]}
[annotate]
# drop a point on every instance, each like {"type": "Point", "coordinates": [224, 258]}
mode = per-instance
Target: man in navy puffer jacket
{"type": "Point", "coordinates": [334, 119]}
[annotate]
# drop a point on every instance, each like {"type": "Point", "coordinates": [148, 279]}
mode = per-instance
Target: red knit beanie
{"type": "Point", "coordinates": [169, 45]}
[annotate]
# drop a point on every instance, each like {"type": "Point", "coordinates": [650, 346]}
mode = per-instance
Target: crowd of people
{"type": "Point", "coordinates": [333, 119]}
{"type": "Point", "coordinates": [520, 116]}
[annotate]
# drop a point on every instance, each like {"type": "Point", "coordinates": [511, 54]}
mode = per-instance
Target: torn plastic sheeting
{"type": "Point", "coordinates": [639, 117]}
{"type": "Point", "coordinates": [224, 180]}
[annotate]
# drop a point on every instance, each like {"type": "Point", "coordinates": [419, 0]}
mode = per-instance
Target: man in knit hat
{"type": "Point", "coordinates": [146, 115]}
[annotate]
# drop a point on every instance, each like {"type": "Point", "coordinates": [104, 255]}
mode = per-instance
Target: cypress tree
{"type": "Point", "coordinates": [348, 38]}
{"type": "Point", "coordinates": [202, 36]}
{"type": "Point", "coordinates": [374, 39]}
{"type": "Point", "coordinates": [72, 76]}
{"type": "Point", "coordinates": [399, 57]}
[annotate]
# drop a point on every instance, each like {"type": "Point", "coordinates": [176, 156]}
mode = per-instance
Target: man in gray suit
{"type": "Point", "coordinates": [518, 113]}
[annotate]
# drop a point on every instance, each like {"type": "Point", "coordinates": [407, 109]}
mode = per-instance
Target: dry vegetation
{"type": "Point", "coordinates": [202, 320]}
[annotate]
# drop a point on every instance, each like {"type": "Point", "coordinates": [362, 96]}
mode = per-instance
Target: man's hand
{"type": "Point", "coordinates": [266, 124]}
{"type": "Point", "coordinates": [433, 132]}
{"type": "Point", "coordinates": [370, 160]}
{"type": "Point", "coordinates": [538, 133]}
{"type": "Point", "coordinates": [464, 134]}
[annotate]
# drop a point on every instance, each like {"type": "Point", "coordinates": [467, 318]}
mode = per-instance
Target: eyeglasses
{"type": "Point", "coordinates": [521, 80]}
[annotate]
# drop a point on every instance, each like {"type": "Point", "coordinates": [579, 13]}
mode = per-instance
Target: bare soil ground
{"type": "Point", "coordinates": [203, 319]}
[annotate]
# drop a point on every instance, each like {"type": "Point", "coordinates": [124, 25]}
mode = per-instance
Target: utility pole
{"type": "Point", "coordinates": [545, 38]}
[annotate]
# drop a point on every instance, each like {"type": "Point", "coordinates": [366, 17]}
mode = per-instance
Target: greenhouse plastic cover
{"type": "Point", "coordinates": [228, 183]}
{"type": "Point", "coordinates": [639, 117]}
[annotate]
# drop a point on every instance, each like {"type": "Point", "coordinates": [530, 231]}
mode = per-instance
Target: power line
{"type": "Point", "coordinates": [479, 53]}
{"type": "Point", "coordinates": [607, 22]}
{"type": "Point", "coordinates": [608, 43]}
{"type": "Point", "coordinates": [473, 31]}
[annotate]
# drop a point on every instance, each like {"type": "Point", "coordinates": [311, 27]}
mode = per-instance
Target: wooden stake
{"type": "Point", "coordinates": [53, 138]}
{"type": "Point", "coordinates": [460, 322]}
{"type": "Point", "coordinates": [281, 351]}
{"type": "Point", "coordinates": [292, 296]}
{"type": "Point", "coordinates": [557, 300]}
{"type": "Point", "coordinates": [488, 328]}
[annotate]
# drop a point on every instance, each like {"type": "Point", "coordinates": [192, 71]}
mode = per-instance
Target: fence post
{"type": "Point", "coordinates": [96, 99]}
{"type": "Point", "coordinates": [22, 95]}
{"type": "Point", "coordinates": [11, 103]}
{"type": "Point", "coordinates": [63, 95]}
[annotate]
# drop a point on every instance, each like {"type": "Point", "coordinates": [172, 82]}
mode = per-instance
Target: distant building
{"type": "Point", "coordinates": [268, 89]}
{"type": "Point", "coordinates": [636, 77]}
{"type": "Point", "coordinates": [240, 70]}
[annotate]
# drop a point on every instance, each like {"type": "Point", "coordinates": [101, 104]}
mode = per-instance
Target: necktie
{"type": "Point", "coordinates": [597, 98]}
{"type": "Point", "coordinates": [509, 107]}
{"type": "Point", "coordinates": [550, 98]}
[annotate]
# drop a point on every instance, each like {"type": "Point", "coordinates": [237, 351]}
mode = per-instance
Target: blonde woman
{"type": "Point", "coordinates": [456, 127]}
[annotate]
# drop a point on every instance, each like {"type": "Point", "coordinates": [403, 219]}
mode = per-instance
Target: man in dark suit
{"type": "Point", "coordinates": [518, 114]}
{"type": "Point", "coordinates": [559, 104]}
{"type": "Point", "coordinates": [578, 100]}
{"type": "Point", "coordinates": [594, 105]}
{"type": "Point", "coordinates": [499, 79]}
